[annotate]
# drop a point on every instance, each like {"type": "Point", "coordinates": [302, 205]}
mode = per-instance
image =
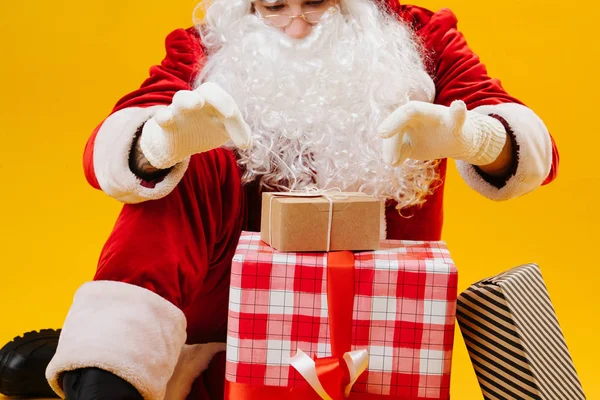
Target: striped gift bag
{"type": "Point", "coordinates": [514, 340]}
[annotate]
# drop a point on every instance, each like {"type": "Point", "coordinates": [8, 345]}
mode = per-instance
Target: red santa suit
{"type": "Point", "coordinates": [163, 275]}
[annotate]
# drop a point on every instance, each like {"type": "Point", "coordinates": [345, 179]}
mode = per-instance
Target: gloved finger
{"type": "Point", "coordinates": [211, 349]}
{"type": "Point", "coordinates": [202, 354]}
{"type": "Point", "coordinates": [396, 149]}
{"type": "Point", "coordinates": [194, 359]}
{"type": "Point", "coordinates": [458, 113]}
{"type": "Point", "coordinates": [389, 149]}
{"type": "Point", "coordinates": [218, 98]}
{"type": "Point", "coordinates": [239, 131]}
{"type": "Point", "coordinates": [165, 117]}
{"type": "Point", "coordinates": [187, 101]}
{"type": "Point", "coordinates": [401, 119]}
{"type": "Point", "coordinates": [405, 150]}
{"type": "Point", "coordinates": [230, 114]}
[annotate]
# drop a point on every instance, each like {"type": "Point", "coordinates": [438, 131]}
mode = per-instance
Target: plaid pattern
{"type": "Point", "coordinates": [404, 312]}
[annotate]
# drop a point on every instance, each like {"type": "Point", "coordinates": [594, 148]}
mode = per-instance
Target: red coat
{"type": "Point", "coordinates": [455, 69]}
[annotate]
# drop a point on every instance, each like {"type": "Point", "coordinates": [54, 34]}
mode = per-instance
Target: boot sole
{"type": "Point", "coordinates": [25, 381]}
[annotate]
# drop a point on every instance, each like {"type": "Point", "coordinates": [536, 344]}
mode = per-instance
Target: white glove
{"type": "Point", "coordinates": [425, 131]}
{"type": "Point", "coordinates": [193, 360]}
{"type": "Point", "coordinates": [195, 122]}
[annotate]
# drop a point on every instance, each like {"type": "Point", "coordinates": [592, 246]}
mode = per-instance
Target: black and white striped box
{"type": "Point", "coordinates": [514, 340]}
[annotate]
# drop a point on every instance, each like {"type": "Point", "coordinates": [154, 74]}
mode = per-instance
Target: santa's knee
{"type": "Point", "coordinates": [128, 333]}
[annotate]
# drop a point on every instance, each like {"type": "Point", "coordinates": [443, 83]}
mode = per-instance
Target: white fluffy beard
{"type": "Point", "coordinates": [314, 105]}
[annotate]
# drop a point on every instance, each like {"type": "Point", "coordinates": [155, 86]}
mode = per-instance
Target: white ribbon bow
{"type": "Point", "coordinates": [357, 362]}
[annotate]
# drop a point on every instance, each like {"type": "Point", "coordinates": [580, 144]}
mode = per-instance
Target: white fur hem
{"type": "Point", "coordinates": [123, 329]}
{"type": "Point", "coordinates": [111, 158]}
{"type": "Point", "coordinates": [535, 154]}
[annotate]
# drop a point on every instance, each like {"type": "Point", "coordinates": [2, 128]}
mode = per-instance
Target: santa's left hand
{"type": "Point", "coordinates": [425, 131]}
{"type": "Point", "coordinates": [193, 360]}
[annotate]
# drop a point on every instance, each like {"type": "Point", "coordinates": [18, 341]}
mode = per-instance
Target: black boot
{"type": "Point", "coordinates": [23, 364]}
{"type": "Point", "coordinates": [97, 384]}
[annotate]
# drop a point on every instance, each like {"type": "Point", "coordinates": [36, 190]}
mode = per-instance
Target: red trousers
{"type": "Point", "coordinates": [180, 247]}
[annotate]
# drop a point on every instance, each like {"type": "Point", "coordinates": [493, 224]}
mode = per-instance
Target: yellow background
{"type": "Point", "coordinates": [63, 65]}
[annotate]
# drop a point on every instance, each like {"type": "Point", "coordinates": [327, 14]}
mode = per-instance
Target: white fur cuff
{"type": "Point", "coordinates": [123, 329]}
{"type": "Point", "coordinates": [111, 158]}
{"type": "Point", "coordinates": [535, 154]}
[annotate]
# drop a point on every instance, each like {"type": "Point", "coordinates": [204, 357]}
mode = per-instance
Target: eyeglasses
{"type": "Point", "coordinates": [284, 20]}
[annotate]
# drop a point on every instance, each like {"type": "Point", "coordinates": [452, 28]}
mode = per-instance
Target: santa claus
{"type": "Point", "coordinates": [273, 95]}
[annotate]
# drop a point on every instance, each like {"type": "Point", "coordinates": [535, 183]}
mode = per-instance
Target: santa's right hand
{"type": "Point", "coordinates": [97, 384]}
{"type": "Point", "coordinates": [196, 121]}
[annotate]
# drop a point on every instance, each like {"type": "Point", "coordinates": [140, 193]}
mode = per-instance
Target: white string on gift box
{"type": "Point", "coordinates": [309, 192]}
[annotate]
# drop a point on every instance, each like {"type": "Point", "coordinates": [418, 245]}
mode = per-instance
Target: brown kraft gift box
{"type": "Point", "coordinates": [300, 222]}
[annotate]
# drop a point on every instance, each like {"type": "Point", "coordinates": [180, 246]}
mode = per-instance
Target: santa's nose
{"type": "Point", "coordinates": [299, 28]}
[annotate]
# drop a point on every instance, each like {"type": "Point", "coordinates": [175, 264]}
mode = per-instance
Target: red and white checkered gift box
{"type": "Point", "coordinates": [403, 315]}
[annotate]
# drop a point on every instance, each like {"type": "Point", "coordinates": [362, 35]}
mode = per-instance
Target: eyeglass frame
{"type": "Point", "coordinates": [291, 18]}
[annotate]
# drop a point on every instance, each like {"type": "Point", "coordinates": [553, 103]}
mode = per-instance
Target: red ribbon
{"type": "Point", "coordinates": [243, 391]}
{"type": "Point", "coordinates": [332, 371]}
{"type": "Point", "coordinates": [340, 300]}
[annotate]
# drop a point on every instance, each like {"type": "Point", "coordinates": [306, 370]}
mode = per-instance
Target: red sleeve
{"type": "Point", "coordinates": [184, 58]}
{"type": "Point", "coordinates": [458, 73]}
